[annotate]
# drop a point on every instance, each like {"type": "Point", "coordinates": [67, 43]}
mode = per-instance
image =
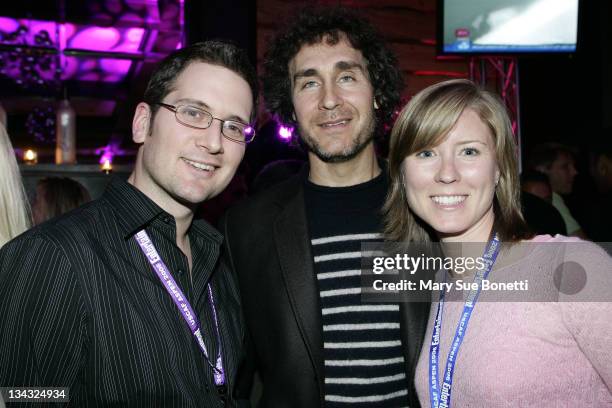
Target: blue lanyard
{"type": "Point", "coordinates": [440, 395]}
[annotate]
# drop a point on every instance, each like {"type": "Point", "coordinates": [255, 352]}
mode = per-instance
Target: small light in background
{"type": "Point", "coordinates": [285, 133]}
{"type": "Point", "coordinates": [107, 166]}
{"type": "Point", "coordinates": [30, 157]}
{"type": "Point", "coordinates": [107, 153]}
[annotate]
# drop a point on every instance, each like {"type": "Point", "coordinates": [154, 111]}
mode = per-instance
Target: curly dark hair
{"type": "Point", "coordinates": [313, 25]}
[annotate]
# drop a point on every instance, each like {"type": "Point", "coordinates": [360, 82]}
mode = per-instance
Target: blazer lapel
{"type": "Point", "coordinates": [292, 244]}
{"type": "Point", "coordinates": [414, 316]}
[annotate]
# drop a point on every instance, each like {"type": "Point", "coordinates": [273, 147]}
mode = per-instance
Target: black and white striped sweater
{"type": "Point", "coordinates": [364, 363]}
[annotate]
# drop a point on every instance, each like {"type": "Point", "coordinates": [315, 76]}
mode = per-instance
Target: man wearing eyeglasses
{"type": "Point", "coordinates": [124, 301]}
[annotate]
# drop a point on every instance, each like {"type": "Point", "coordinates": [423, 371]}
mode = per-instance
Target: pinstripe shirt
{"type": "Point", "coordinates": [80, 307]}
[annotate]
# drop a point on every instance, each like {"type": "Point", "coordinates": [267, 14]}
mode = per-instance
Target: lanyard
{"type": "Point", "coordinates": [180, 300]}
{"type": "Point", "coordinates": [441, 395]}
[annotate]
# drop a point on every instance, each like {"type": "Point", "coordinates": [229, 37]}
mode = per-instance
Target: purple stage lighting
{"type": "Point", "coordinates": [285, 133]}
{"type": "Point", "coordinates": [108, 152]}
{"type": "Point", "coordinates": [86, 53]}
{"type": "Point", "coordinates": [8, 25]}
{"type": "Point", "coordinates": [95, 38]}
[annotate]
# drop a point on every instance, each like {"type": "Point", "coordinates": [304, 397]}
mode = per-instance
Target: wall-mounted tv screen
{"type": "Point", "coordinates": [507, 26]}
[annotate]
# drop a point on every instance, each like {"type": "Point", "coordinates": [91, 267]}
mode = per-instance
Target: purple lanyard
{"type": "Point", "coordinates": [180, 300]}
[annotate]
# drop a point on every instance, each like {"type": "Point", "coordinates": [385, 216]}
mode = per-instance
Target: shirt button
{"type": "Point", "coordinates": [166, 219]}
{"type": "Point", "coordinates": [180, 271]}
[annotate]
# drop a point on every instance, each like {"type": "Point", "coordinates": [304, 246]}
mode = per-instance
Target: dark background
{"type": "Point", "coordinates": [562, 98]}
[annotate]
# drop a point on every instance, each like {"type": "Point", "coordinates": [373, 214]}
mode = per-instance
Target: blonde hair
{"type": "Point", "coordinates": [14, 205]}
{"type": "Point", "coordinates": [423, 123]}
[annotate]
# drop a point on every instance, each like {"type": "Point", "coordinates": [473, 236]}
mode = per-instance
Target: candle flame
{"type": "Point", "coordinates": [107, 166]}
{"type": "Point", "coordinates": [29, 156]}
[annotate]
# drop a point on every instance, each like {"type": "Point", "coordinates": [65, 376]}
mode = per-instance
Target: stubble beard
{"type": "Point", "coordinates": [357, 145]}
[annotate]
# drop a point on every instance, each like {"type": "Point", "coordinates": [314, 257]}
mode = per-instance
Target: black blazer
{"type": "Point", "coordinates": [268, 247]}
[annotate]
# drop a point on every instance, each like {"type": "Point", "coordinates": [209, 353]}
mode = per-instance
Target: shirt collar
{"type": "Point", "coordinates": [201, 227]}
{"type": "Point", "coordinates": [135, 210]}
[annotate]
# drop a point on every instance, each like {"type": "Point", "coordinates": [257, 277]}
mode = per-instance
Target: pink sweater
{"type": "Point", "coordinates": [533, 354]}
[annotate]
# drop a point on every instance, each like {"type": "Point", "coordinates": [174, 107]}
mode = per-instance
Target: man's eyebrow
{"type": "Point", "coordinates": [194, 102]}
{"type": "Point", "coordinates": [200, 104]}
{"type": "Point", "coordinates": [347, 65]}
{"type": "Point", "coordinates": [340, 66]}
{"type": "Point", "coordinates": [309, 72]}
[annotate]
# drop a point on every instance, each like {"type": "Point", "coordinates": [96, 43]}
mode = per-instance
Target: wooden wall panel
{"type": "Point", "coordinates": [415, 83]}
{"type": "Point", "coordinates": [422, 57]}
{"type": "Point", "coordinates": [403, 24]}
{"type": "Point", "coordinates": [417, 5]}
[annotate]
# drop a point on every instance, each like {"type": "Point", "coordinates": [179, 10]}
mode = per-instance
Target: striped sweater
{"type": "Point", "coordinates": [364, 363]}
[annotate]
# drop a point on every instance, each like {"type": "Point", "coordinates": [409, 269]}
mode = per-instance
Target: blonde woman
{"type": "Point", "coordinates": [14, 206]}
{"type": "Point", "coordinates": [454, 178]}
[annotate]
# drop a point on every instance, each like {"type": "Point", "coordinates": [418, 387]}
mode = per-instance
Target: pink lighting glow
{"type": "Point", "coordinates": [285, 132]}
{"type": "Point", "coordinates": [115, 66]}
{"type": "Point", "coordinates": [108, 152]}
{"type": "Point", "coordinates": [34, 27]}
{"type": "Point", "coordinates": [94, 69]}
{"type": "Point", "coordinates": [8, 25]}
{"type": "Point", "coordinates": [96, 39]}
{"type": "Point", "coordinates": [71, 67]}
{"type": "Point", "coordinates": [134, 34]}
{"type": "Point", "coordinates": [81, 48]}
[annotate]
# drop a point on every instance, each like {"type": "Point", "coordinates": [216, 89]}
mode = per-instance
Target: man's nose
{"type": "Point", "coordinates": [330, 98]}
{"type": "Point", "coordinates": [211, 138]}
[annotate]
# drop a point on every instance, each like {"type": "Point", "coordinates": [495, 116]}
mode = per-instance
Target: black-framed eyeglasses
{"type": "Point", "coordinates": [198, 118]}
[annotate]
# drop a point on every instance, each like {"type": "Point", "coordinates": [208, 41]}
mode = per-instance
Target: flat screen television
{"type": "Point", "coordinates": [507, 26]}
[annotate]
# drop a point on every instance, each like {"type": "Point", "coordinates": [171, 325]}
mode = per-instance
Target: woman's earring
{"type": "Point", "coordinates": [375, 104]}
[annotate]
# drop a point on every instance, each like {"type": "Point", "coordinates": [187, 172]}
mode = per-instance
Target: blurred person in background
{"type": "Point", "coordinates": [541, 216]}
{"type": "Point", "coordinates": [56, 196]}
{"type": "Point", "coordinates": [597, 207]}
{"type": "Point", "coordinates": [537, 184]}
{"type": "Point", "coordinates": [557, 162]}
{"type": "Point", "coordinates": [14, 206]}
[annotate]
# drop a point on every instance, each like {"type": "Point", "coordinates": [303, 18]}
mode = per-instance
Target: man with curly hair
{"type": "Point", "coordinates": [312, 339]}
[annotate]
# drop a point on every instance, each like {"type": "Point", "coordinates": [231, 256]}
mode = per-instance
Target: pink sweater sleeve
{"type": "Point", "coordinates": [588, 313]}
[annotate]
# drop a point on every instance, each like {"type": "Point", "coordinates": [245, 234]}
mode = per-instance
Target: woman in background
{"type": "Point", "coordinates": [14, 206]}
{"type": "Point", "coordinates": [454, 178]}
{"type": "Point", "coordinates": [56, 196]}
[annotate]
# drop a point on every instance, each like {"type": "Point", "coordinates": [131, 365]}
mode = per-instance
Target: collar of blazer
{"type": "Point", "coordinates": [297, 270]}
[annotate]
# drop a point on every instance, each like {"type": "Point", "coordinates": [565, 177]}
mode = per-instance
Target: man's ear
{"type": "Point", "coordinates": [141, 122]}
